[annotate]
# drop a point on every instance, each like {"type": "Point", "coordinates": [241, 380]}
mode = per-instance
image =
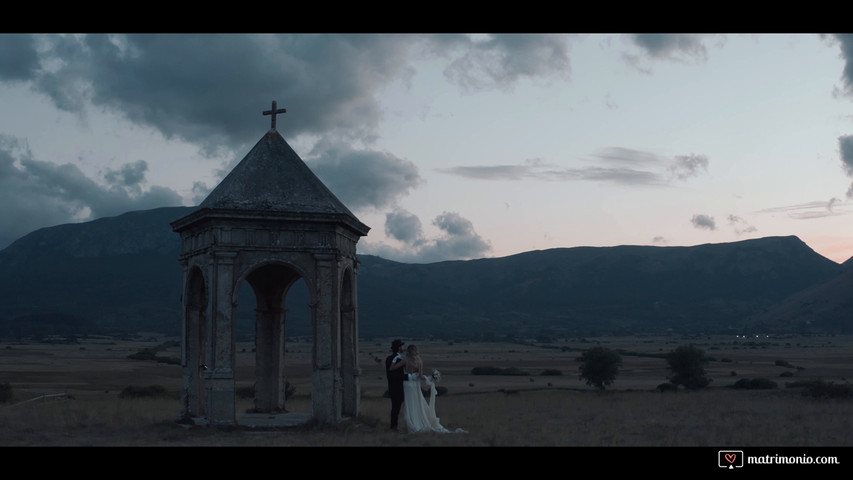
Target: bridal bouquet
{"type": "Point", "coordinates": [436, 375]}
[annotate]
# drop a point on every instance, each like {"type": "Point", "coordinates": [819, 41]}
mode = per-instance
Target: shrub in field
{"type": "Point", "coordinates": [150, 354]}
{"type": "Point", "coordinates": [132, 391]}
{"type": "Point", "coordinates": [823, 389]}
{"type": "Point", "coordinates": [687, 364]}
{"type": "Point", "coordinates": [755, 384]}
{"type": "Point", "coordinates": [5, 392]}
{"type": "Point", "coordinates": [486, 371]}
{"type": "Point", "coordinates": [599, 366]}
{"type": "Point", "coordinates": [783, 363]}
{"type": "Point", "coordinates": [146, 354]}
{"type": "Point", "coordinates": [551, 372]}
{"type": "Point", "coordinates": [667, 387]}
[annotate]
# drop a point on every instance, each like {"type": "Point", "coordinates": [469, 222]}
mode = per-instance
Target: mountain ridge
{"type": "Point", "coordinates": [122, 273]}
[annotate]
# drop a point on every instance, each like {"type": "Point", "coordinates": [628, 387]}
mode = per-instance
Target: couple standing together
{"type": "Point", "coordinates": [405, 378]}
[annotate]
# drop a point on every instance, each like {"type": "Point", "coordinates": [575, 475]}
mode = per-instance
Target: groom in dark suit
{"type": "Point", "coordinates": [395, 380]}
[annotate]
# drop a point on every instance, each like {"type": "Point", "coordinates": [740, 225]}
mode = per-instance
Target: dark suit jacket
{"type": "Point", "coordinates": [395, 377]}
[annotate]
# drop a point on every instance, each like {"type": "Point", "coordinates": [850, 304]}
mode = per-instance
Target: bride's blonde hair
{"type": "Point", "coordinates": [413, 358]}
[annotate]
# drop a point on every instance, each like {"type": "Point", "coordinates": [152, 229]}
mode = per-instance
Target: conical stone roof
{"type": "Point", "coordinates": [273, 179]}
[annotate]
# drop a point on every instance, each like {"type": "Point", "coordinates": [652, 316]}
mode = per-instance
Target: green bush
{"type": "Point", "coordinates": [783, 363]}
{"type": "Point", "coordinates": [5, 392]}
{"type": "Point", "coordinates": [824, 390]}
{"type": "Point", "coordinates": [755, 384]}
{"type": "Point", "coordinates": [551, 372]}
{"type": "Point", "coordinates": [667, 387]}
{"type": "Point", "coordinates": [599, 366]}
{"type": "Point", "coordinates": [486, 371]}
{"type": "Point", "coordinates": [687, 364]}
{"type": "Point", "coordinates": [144, 355]}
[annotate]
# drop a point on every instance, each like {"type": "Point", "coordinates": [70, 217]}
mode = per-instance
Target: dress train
{"type": "Point", "coordinates": [419, 413]}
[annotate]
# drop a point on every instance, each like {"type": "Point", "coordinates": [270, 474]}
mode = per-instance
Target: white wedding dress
{"type": "Point", "coordinates": [418, 412]}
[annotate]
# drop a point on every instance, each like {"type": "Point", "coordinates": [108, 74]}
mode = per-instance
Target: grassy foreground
{"type": "Point", "coordinates": [521, 410]}
{"type": "Point", "coordinates": [713, 417]}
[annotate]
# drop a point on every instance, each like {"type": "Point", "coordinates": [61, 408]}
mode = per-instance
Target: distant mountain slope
{"type": "Point", "coordinates": [596, 289]}
{"type": "Point", "coordinates": [122, 273]}
{"type": "Point", "coordinates": [118, 273]}
{"type": "Point", "coordinates": [824, 307]}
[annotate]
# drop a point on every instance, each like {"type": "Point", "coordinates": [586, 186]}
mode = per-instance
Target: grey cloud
{"type": "Point", "coordinates": [532, 168]}
{"type": "Point", "coordinates": [498, 61]}
{"type": "Point", "coordinates": [846, 41]}
{"type": "Point", "coordinates": [845, 146]}
{"type": "Point", "coordinates": [628, 167]}
{"type": "Point", "coordinates": [627, 156]}
{"type": "Point", "coordinates": [672, 46]}
{"type": "Point", "coordinates": [363, 178]}
{"type": "Point", "coordinates": [492, 172]}
{"type": "Point", "coordinates": [20, 58]}
{"type": "Point", "coordinates": [703, 221]}
{"type": "Point", "coordinates": [36, 193]}
{"type": "Point", "coordinates": [686, 166]}
{"type": "Point", "coordinates": [210, 89]}
{"type": "Point", "coordinates": [200, 191]}
{"type": "Point", "coordinates": [458, 239]}
{"type": "Point", "coordinates": [809, 210]}
{"type": "Point", "coordinates": [740, 225]}
{"type": "Point", "coordinates": [404, 226]}
{"type": "Point", "coordinates": [129, 175]}
{"type": "Point", "coordinates": [624, 176]}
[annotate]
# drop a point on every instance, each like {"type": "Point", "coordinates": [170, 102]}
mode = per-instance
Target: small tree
{"type": "Point", "coordinates": [599, 366]}
{"type": "Point", "coordinates": [687, 364]}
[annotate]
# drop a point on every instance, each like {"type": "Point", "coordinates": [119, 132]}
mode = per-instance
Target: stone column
{"type": "Point", "coordinates": [325, 385]}
{"type": "Point", "coordinates": [220, 373]}
{"type": "Point", "coordinates": [350, 370]}
{"type": "Point", "coordinates": [269, 360]}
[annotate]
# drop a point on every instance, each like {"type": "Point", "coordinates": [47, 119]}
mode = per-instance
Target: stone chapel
{"type": "Point", "coordinates": [269, 223]}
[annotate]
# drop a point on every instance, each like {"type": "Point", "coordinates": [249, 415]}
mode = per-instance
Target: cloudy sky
{"type": "Point", "coordinates": [448, 146]}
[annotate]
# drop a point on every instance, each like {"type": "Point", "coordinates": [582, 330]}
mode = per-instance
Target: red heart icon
{"type": "Point", "coordinates": [730, 457]}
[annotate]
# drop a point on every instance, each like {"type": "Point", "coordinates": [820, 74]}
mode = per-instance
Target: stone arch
{"type": "Point", "coordinates": [270, 280]}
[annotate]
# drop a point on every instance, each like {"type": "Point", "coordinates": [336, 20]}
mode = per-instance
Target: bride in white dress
{"type": "Point", "coordinates": [418, 412]}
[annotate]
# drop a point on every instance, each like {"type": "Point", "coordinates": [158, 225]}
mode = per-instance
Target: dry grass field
{"type": "Point", "coordinates": [523, 410]}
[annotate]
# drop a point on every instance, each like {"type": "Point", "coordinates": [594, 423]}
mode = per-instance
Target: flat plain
{"type": "Point", "coordinates": [69, 394]}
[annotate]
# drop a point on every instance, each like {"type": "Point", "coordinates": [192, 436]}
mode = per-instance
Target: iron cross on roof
{"type": "Point", "coordinates": [273, 111]}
